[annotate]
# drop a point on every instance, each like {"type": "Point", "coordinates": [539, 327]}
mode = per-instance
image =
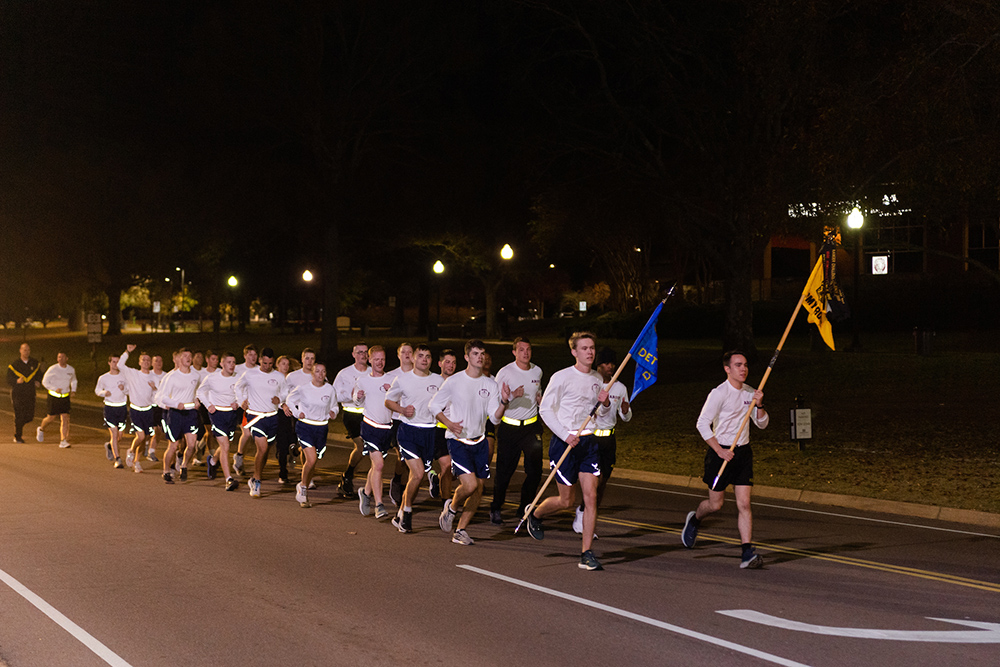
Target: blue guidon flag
{"type": "Point", "coordinates": [645, 354]}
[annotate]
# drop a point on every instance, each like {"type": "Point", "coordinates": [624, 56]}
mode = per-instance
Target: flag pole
{"type": "Point", "coordinates": [534, 503]}
{"type": "Point", "coordinates": [767, 373]}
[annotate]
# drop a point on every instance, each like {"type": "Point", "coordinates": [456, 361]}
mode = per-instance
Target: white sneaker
{"type": "Point", "coordinates": [136, 466]}
{"type": "Point", "coordinates": [578, 522]}
{"type": "Point", "coordinates": [39, 434]}
{"type": "Point", "coordinates": [300, 495]}
{"type": "Point", "coordinates": [64, 444]}
{"type": "Point", "coordinates": [130, 458]}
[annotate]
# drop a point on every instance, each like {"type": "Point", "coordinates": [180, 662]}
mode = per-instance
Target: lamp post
{"type": "Point", "coordinates": [856, 221]}
{"type": "Point", "coordinates": [233, 284]}
{"type": "Point", "coordinates": [307, 278]}
{"type": "Point", "coordinates": [438, 269]}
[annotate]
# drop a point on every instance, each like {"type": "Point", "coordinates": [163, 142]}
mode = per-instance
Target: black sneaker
{"type": "Point", "coordinates": [346, 488]}
{"type": "Point", "coordinates": [119, 464]}
{"type": "Point", "coordinates": [396, 491]}
{"type": "Point", "coordinates": [184, 474]}
{"type": "Point", "coordinates": [690, 532]}
{"type": "Point", "coordinates": [232, 484]}
{"type": "Point", "coordinates": [108, 451]}
{"type": "Point", "coordinates": [751, 560]}
{"type": "Point", "coordinates": [168, 478]}
{"type": "Point", "coordinates": [535, 528]}
{"type": "Point", "coordinates": [434, 482]}
{"type": "Point", "coordinates": [495, 518]}
{"type": "Point", "coordinates": [403, 521]}
{"type": "Point", "coordinates": [212, 467]}
{"type": "Point", "coordinates": [589, 562]}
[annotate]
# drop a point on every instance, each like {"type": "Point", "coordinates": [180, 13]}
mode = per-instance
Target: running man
{"type": "Point", "coordinates": [353, 413]}
{"type": "Point", "coordinates": [156, 376]}
{"type": "Point", "coordinates": [405, 355]}
{"type": "Point", "coordinates": [60, 382]}
{"type": "Point", "coordinates": [376, 429]}
{"type": "Point", "coordinates": [567, 402]}
{"type": "Point", "coordinates": [22, 376]}
{"type": "Point", "coordinates": [464, 403]}
{"type": "Point", "coordinates": [718, 422]}
{"type": "Point", "coordinates": [261, 391]}
{"type": "Point", "coordinates": [217, 395]}
{"type": "Point", "coordinates": [441, 484]}
{"type": "Point", "coordinates": [249, 363]}
{"type": "Point", "coordinates": [409, 396]}
{"type": "Point", "coordinates": [313, 405]}
{"type": "Point", "coordinates": [520, 431]}
{"type": "Point", "coordinates": [112, 388]}
{"type": "Point", "coordinates": [176, 397]}
{"type": "Point", "coordinates": [141, 390]}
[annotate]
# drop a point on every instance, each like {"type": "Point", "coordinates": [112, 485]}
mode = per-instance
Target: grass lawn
{"type": "Point", "coordinates": [887, 423]}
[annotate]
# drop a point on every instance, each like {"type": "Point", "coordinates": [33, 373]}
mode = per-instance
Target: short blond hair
{"type": "Point", "coordinates": [577, 335]}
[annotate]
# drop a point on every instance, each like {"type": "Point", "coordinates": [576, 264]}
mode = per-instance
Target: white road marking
{"type": "Point", "coordinates": [809, 511]}
{"type": "Point", "coordinates": [988, 633]}
{"type": "Point", "coordinates": [69, 626]}
{"type": "Point", "coordinates": [642, 619]}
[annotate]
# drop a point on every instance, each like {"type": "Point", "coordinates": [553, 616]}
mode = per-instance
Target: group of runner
{"type": "Point", "coordinates": [456, 420]}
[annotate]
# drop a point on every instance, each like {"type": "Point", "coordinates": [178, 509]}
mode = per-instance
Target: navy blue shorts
{"type": "Point", "coordinates": [263, 426]}
{"type": "Point", "coordinates": [176, 423]}
{"type": "Point", "coordinates": [158, 417]}
{"type": "Point", "coordinates": [584, 458]}
{"type": "Point", "coordinates": [467, 459]}
{"type": "Point", "coordinates": [440, 442]}
{"type": "Point", "coordinates": [225, 423]}
{"type": "Point", "coordinates": [352, 423]}
{"type": "Point", "coordinates": [312, 435]}
{"type": "Point", "coordinates": [116, 416]}
{"type": "Point", "coordinates": [376, 439]}
{"type": "Point", "coordinates": [416, 443]}
{"type": "Point", "coordinates": [143, 420]}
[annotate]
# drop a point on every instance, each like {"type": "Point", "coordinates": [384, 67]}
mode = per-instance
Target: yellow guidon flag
{"type": "Point", "coordinates": [814, 298]}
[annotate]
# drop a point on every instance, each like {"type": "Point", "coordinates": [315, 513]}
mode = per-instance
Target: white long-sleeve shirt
{"type": "Point", "coordinates": [297, 379]}
{"type": "Point", "coordinates": [140, 393]}
{"type": "Point", "coordinates": [373, 399]}
{"type": "Point", "coordinates": [177, 390]}
{"type": "Point", "coordinates": [723, 413]}
{"type": "Point", "coordinates": [312, 404]}
{"type": "Point", "coordinates": [59, 381]}
{"type": "Point", "coordinates": [568, 400]}
{"type": "Point", "coordinates": [522, 407]}
{"type": "Point", "coordinates": [607, 417]}
{"type": "Point", "coordinates": [218, 390]}
{"type": "Point", "coordinates": [412, 389]}
{"type": "Point", "coordinates": [259, 389]}
{"type": "Point", "coordinates": [112, 389]}
{"type": "Point", "coordinates": [468, 400]}
{"type": "Point", "coordinates": [344, 385]}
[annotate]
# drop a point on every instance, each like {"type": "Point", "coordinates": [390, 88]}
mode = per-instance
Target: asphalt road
{"type": "Point", "coordinates": [102, 566]}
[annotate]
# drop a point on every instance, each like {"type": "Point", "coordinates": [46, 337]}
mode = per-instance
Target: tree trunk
{"type": "Point", "coordinates": [738, 333]}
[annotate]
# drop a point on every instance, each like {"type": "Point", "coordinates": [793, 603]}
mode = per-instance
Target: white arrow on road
{"type": "Point", "coordinates": [988, 633]}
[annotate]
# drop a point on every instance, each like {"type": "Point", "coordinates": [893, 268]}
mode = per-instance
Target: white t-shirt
{"type": "Point", "coordinates": [471, 401]}
{"type": "Point", "coordinates": [569, 399]}
{"type": "Point", "coordinates": [412, 389]}
{"type": "Point", "coordinates": [522, 407]}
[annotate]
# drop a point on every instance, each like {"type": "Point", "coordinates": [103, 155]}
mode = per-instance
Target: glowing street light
{"type": "Point", "coordinates": [232, 282]}
{"type": "Point", "coordinates": [438, 267]}
{"type": "Point", "coordinates": [856, 219]}
{"type": "Point", "coordinates": [506, 252]}
{"type": "Point", "coordinates": [307, 276]}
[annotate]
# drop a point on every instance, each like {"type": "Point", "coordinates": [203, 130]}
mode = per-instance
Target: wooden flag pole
{"type": "Point", "coordinates": [763, 381]}
{"type": "Point", "coordinates": [548, 480]}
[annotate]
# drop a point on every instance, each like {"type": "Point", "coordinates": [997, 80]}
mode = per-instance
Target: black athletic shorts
{"type": "Point", "coordinates": [739, 471]}
{"type": "Point", "coordinates": [58, 405]}
{"type": "Point", "coordinates": [607, 450]}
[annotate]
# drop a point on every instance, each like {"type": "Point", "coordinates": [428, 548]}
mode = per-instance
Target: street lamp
{"type": "Point", "coordinates": [307, 276]}
{"type": "Point", "coordinates": [506, 252]}
{"type": "Point", "coordinates": [856, 221]}
{"type": "Point", "coordinates": [438, 269]}
{"type": "Point", "coordinates": [233, 283]}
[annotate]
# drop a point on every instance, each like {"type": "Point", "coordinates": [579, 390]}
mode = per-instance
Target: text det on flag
{"type": "Point", "coordinates": [815, 301]}
{"type": "Point", "coordinates": [645, 353]}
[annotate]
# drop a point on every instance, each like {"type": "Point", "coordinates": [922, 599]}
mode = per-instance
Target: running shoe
{"type": "Point", "coordinates": [136, 467]}
{"type": "Point", "coordinates": [184, 474]}
{"type": "Point", "coordinates": [408, 522]}
{"type": "Point", "coordinates": [151, 456]}
{"type": "Point", "coordinates": [435, 484]}
{"type": "Point", "coordinates": [346, 487]}
{"type": "Point", "coordinates": [396, 491]}
{"type": "Point", "coordinates": [64, 444]}
{"type": "Point", "coordinates": [168, 478]}
{"type": "Point", "coordinates": [589, 562]}
{"type": "Point", "coordinates": [238, 463]}
{"type": "Point", "coordinates": [39, 434]}
{"type": "Point", "coordinates": [462, 537]}
{"type": "Point", "coordinates": [397, 522]}
{"type": "Point", "coordinates": [578, 521]}
{"type": "Point", "coordinates": [118, 463]}
{"type": "Point", "coordinates": [300, 495]}
{"type": "Point", "coordinates": [254, 485]}
{"type": "Point", "coordinates": [196, 461]}
{"type": "Point", "coordinates": [231, 484]}
{"type": "Point", "coordinates": [107, 450]}
{"type": "Point", "coordinates": [751, 560]}
{"type": "Point", "coordinates": [130, 458]}
{"type": "Point", "coordinates": [312, 485]}
{"type": "Point", "coordinates": [380, 511]}
{"type": "Point", "coordinates": [535, 528]}
{"type": "Point", "coordinates": [496, 518]}
{"type": "Point", "coordinates": [213, 467]}
{"type": "Point", "coordinates": [690, 532]}
{"type": "Point", "coordinates": [283, 480]}
{"type": "Point", "coordinates": [447, 517]}
{"type": "Point", "coordinates": [364, 502]}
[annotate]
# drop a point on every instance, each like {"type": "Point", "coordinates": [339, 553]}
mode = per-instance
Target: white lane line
{"type": "Point", "coordinates": [809, 511]}
{"type": "Point", "coordinates": [69, 626]}
{"type": "Point", "coordinates": [778, 660]}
